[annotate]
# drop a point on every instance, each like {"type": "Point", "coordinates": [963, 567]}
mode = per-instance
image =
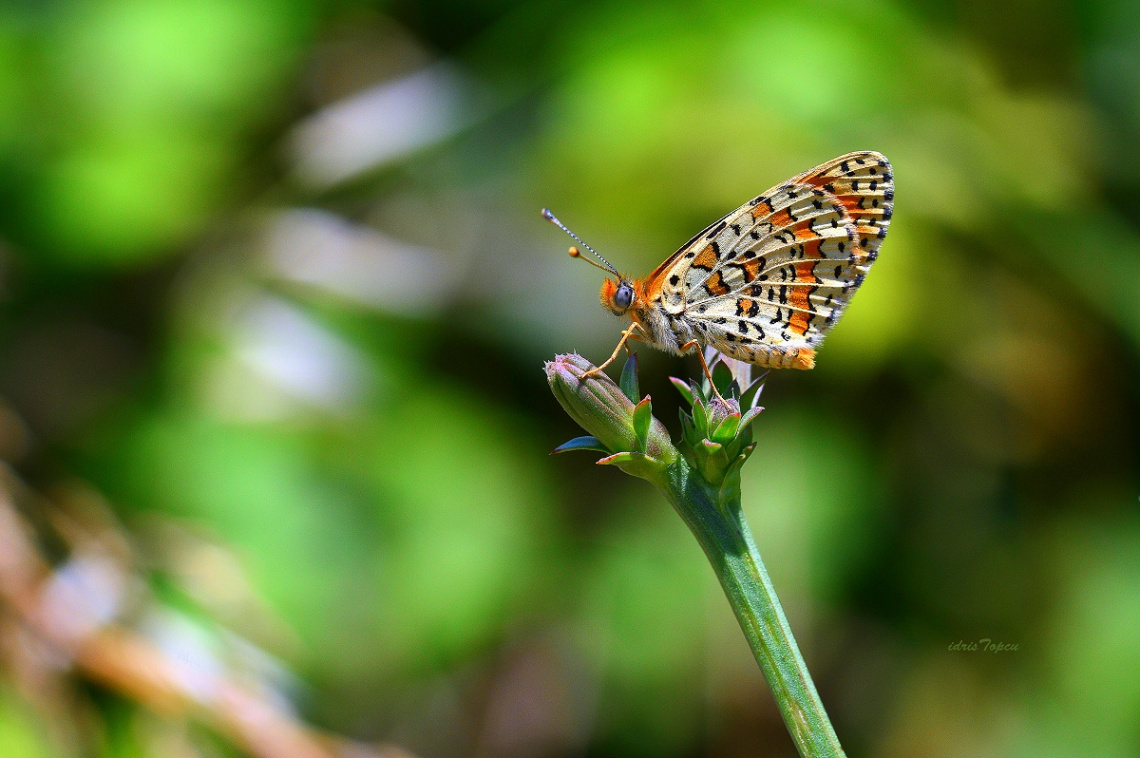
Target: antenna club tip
{"type": "Point", "coordinates": [546, 214]}
{"type": "Point", "coordinates": [574, 252]}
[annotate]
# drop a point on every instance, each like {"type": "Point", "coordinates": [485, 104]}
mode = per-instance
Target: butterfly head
{"type": "Point", "coordinates": [618, 296]}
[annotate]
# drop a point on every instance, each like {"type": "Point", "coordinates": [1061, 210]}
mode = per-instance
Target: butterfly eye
{"type": "Point", "coordinates": [623, 298]}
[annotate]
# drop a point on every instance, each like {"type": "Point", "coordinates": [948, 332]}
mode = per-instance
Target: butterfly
{"type": "Point", "coordinates": [765, 283]}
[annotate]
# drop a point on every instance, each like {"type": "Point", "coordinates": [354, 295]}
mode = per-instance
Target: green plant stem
{"type": "Point", "coordinates": [718, 522]}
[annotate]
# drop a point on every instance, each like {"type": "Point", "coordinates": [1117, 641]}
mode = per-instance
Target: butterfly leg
{"type": "Point", "coordinates": [628, 334]}
{"type": "Point", "coordinates": [704, 364]}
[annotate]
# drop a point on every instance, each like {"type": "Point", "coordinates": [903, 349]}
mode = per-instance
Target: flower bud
{"type": "Point", "coordinates": [719, 410]}
{"type": "Point", "coordinates": [716, 437]}
{"type": "Point", "coordinates": [602, 409]}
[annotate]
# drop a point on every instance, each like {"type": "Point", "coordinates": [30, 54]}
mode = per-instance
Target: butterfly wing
{"type": "Point", "coordinates": [766, 282]}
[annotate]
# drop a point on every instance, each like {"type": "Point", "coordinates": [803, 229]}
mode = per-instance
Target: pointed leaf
{"type": "Point", "coordinates": [700, 418]}
{"type": "Point", "coordinates": [698, 391]}
{"type": "Point", "coordinates": [688, 433]}
{"type": "Point", "coordinates": [628, 380]}
{"type": "Point", "coordinates": [642, 418]}
{"type": "Point", "coordinates": [616, 458]}
{"type": "Point", "coordinates": [722, 378]}
{"type": "Point", "coordinates": [751, 395]}
{"type": "Point", "coordinates": [730, 489]}
{"type": "Point", "coordinates": [683, 388]}
{"type": "Point", "coordinates": [582, 443]}
{"type": "Point", "coordinates": [637, 464]}
{"type": "Point", "coordinates": [749, 416]}
{"type": "Point", "coordinates": [712, 461]}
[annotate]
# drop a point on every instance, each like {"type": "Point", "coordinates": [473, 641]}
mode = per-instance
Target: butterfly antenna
{"type": "Point", "coordinates": [546, 214]}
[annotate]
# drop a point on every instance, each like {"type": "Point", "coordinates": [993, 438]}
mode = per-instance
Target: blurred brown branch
{"type": "Point", "coordinates": [63, 619]}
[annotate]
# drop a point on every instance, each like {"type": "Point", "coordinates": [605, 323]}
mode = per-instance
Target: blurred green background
{"type": "Point", "coordinates": [275, 287]}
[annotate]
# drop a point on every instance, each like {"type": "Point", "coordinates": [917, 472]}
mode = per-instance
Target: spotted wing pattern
{"type": "Point", "coordinates": [765, 283]}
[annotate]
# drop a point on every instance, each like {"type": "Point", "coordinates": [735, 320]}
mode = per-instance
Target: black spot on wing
{"type": "Point", "coordinates": [693, 253]}
{"type": "Point", "coordinates": [716, 230]}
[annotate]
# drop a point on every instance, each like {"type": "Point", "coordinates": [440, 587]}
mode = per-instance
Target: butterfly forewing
{"type": "Point", "coordinates": [769, 279]}
{"type": "Point", "coordinates": [865, 185]}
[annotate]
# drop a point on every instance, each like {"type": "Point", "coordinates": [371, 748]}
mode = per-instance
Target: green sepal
{"type": "Point", "coordinates": [628, 380]}
{"type": "Point", "coordinates": [683, 387]}
{"type": "Point", "coordinates": [583, 443]}
{"type": "Point", "coordinates": [642, 418]}
{"type": "Point", "coordinates": [726, 430]}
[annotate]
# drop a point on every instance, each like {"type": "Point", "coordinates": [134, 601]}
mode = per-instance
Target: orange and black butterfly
{"type": "Point", "coordinates": [765, 283]}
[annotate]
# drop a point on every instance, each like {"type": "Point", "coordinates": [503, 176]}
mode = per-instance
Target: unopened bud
{"type": "Point", "coordinates": [599, 406]}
